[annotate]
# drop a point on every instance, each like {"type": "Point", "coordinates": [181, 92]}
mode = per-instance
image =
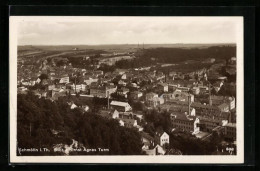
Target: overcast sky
{"type": "Point", "coordinates": [125, 30]}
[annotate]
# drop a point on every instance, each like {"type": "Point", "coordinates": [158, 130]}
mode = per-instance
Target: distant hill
{"type": "Point", "coordinates": [113, 47]}
{"type": "Point", "coordinates": [175, 55]}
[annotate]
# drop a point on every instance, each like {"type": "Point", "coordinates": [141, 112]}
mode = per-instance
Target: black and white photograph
{"type": "Point", "coordinates": [94, 89]}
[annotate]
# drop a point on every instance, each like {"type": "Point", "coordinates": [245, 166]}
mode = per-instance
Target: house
{"type": "Point", "coordinates": [184, 89]}
{"type": "Point", "coordinates": [89, 80]}
{"type": "Point", "coordinates": [135, 95]}
{"type": "Point", "coordinates": [129, 120]}
{"type": "Point", "coordinates": [121, 106]}
{"type": "Point", "coordinates": [109, 114]}
{"type": "Point", "coordinates": [102, 91]}
{"type": "Point", "coordinates": [121, 123]}
{"type": "Point", "coordinates": [159, 76]}
{"type": "Point", "coordinates": [73, 106]}
{"type": "Point", "coordinates": [232, 60]}
{"type": "Point", "coordinates": [163, 87]}
{"type": "Point", "coordinates": [123, 92]}
{"type": "Point", "coordinates": [155, 102]}
{"type": "Point", "coordinates": [147, 140]}
{"type": "Point", "coordinates": [219, 100]}
{"type": "Point", "coordinates": [38, 80]}
{"type": "Point", "coordinates": [138, 115]}
{"type": "Point", "coordinates": [129, 123]}
{"type": "Point", "coordinates": [161, 138]}
{"type": "Point", "coordinates": [64, 80]}
{"type": "Point", "coordinates": [98, 73]}
{"type": "Point", "coordinates": [134, 85]}
{"type": "Point", "coordinates": [185, 122]}
{"type": "Point", "coordinates": [151, 95]}
{"type": "Point", "coordinates": [217, 85]}
{"type": "Point", "coordinates": [230, 131]}
{"type": "Point", "coordinates": [154, 150]}
{"type": "Point", "coordinates": [209, 111]}
{"type": "Point", "coordinates": [121, 82]}
{"type": "Point", "coordinates": [167, 96]}
{"type": "Point", "coordinates": [208, 124]}
{"type": "Point", "coordinates": [85, 108]}
{"type": "Point", "coordinates": [182, 83]}
{"type": "Point", "coordinates": [171, 107]}
{"type": "Point", "coordinates": [126, 115]}
{"type": "Point", "coordinates": [115, 114]}
{"type": "Point", "coordinates": [139, 128]}
{"type": "Point", "coordinates": [195, 90]}
{"type": "Point", "coordinates": [182, 96]}
{"type": "Point", "coordinates": [203, 89]}
{"type": "Point", "coordinates": [98, 92]}
{"type": "Point", "coordinates": [78, 87]}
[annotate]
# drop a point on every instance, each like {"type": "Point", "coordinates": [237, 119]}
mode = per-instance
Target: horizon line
{"type": "Point", "coordinates": [123, 44]}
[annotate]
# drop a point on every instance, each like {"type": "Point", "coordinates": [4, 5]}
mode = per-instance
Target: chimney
{"type": "Point", "coordinates": [189, 101]}
{"type": "Point", "coordinates": [107, 99]}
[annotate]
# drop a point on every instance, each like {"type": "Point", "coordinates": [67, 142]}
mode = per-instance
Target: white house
{"type": "Point", "coordinates": [121, 106]}
{"type": "Point", "coordinates": [115, 114]}
{"type": "Point", "coordinates": [64, 80]}
{"type": "Point", "coordinates": [73, 106]}
{"type": "Point", "coordinates": [162, 138]}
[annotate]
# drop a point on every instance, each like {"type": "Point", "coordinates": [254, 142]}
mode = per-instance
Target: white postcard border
{"type": "Point", "coordinates": [239, 158]}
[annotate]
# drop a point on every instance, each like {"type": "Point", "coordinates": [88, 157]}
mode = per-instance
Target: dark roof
{"type": "Point", "coordinates": [147, 136]}
{"type": "Point", "coordinates": [159, 133]}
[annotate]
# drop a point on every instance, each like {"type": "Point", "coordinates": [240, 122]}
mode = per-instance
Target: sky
{"type": "Point", "coordinates": [125, 30]}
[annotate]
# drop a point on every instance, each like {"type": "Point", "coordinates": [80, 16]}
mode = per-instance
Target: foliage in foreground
{"type": "Point", "coordinates": [37, 118]}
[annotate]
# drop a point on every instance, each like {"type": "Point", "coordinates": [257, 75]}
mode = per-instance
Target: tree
{"type": "Point", "coordinates": [38, 118]}
{"type": "Point", "coordinates": [43, 76]}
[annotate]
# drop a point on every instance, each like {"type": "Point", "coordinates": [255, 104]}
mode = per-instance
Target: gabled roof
{"type": "Point", "coordinates": [118, 103]}
{"type": "Point", "coordinates": [160, 133]}
{"type": "Point", "coordinates": [147, 136]}
{"type": "Point", "coordinates": [183, 117]}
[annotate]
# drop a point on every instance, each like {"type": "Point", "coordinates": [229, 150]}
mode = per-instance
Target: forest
{"type": "Point", "coordinates": [153, 56]}
{"type": "Point", "coordinates": [38, 117]}
{"type": "Point", "coordinates": [176, 55]}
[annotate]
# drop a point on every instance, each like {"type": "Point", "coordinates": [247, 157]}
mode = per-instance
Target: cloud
{"type": "Point", "coordinates": [120, 31]}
